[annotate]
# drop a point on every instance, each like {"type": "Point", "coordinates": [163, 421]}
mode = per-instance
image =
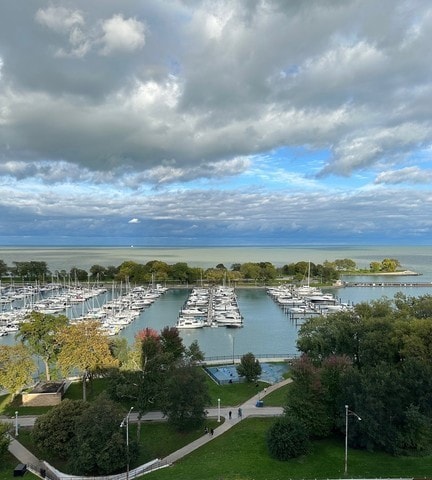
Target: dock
{"type": "Point", "coordinates": [385, 284]}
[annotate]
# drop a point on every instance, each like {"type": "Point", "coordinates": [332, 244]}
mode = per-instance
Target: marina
{"type": "Point", "coordinates": [210, 307]}
{"type": "Point", "coordinates": [267, 325]}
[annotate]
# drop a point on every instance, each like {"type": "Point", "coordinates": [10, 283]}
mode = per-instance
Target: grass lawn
{"type": "Point", "coordinates": [7, 465]}
{"type": "Point", "coordinates": [276, 398]}
{"type": "Point", "coordinates": [241, 454]}
{"type": "Point", "coordinates": [232, 394]}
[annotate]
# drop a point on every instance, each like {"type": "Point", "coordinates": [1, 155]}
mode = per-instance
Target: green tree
{"type": "Point", "coordinates": [86, 348]}
{"type": "Point", "coordinates": [180, 272]}
{"type": "Point", "coordinates": [4, 269]}
{"type": "Point", "coordinates": [78, 274]}
{"type": "Point", "coordinates": [288, 438]}
{"type": "Point", "coordinates": [186, 396]}
{"type": "Point", "coordinates": [4, 438]}
{"type": "Point", "coordinates": [172, 344]}
{"type": "Point", "coordinates": [55, 430]}
{"type": "Point", "coordinates": [194, 353]}
{"type": "Point", "coordinates": [99, 445]}
{"type": "Point", "coordinates": [31, 270]}
{"type": "Point", "coordinates": [307, 400]}
{"type": "Point", "coordinates": [16, 367]}
{"type": "Point", "coordinates": [390, 265]}
{"type": "Point", "coordinates": [98, 272]}
{"type": "Point", "coordinates": [249, 367]}
{"type": "Point", "coordinates": [39, 333]}
{"type": "Point", "coordinates": [375, 267]}
{"type": "Point", "coordinates": [345, 264]}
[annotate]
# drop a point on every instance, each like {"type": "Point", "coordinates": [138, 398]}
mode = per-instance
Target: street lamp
{"type": "Point", "coordinates": [16, 423]}
{"type": "Point", "coordinates": [124, 422]}
{"type": "Point", "coordinates": [218, 410]}
{"type": "Point", "coordinates": [348, 412]}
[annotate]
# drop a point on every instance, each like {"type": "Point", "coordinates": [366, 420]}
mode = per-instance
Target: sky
{"type": "Point", "coordinates": [215, 122]}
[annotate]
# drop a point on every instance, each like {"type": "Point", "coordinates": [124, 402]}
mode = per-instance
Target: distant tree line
{"type": "Point", "coordinates": [179, 273]}
{"type": "Point", "coordinates": [182, 273]}
{"type": "Point", "coordinates": [377, 359]}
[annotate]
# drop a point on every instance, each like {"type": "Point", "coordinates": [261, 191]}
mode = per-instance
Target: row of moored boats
{"type": "Point", "coordinates": [78, 303]}
{"type": "Point", "coordinates": [210, 307]}
{"type": "Point", "coordinates": [305, 301]}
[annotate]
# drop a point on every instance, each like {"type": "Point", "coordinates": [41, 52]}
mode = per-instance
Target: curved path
{"type": "Point", "coordinates": [248, 409]}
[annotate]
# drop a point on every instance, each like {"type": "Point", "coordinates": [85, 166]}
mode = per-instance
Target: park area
{"type": "Point", "coordinates": [241, 452]}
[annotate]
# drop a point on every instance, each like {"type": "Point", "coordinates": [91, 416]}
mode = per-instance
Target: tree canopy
{"type": "Point", "coordinates": [39, 333]}
{"type": "Point", "coordinates": [377, 359]}
{"type": "Point", "coordinates": [16, 367]}
{"type": "Point", "coordinates": [84, 347]}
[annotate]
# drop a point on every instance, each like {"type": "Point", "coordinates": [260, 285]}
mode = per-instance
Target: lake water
{"type": "Point", "coordinates": [267, 330]}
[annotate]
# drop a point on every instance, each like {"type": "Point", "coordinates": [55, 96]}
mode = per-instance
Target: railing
{"type": "Point", "coordinates": [259, 356]}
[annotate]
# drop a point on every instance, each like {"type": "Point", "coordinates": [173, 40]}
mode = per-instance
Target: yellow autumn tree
{"type": "Point", "coordinates": [16, 367]}
{"type": "Point", "coordinates": [84, 349]}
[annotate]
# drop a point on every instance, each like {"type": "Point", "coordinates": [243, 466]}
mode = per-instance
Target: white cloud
{"type": "Point", "coordinates": [59, 19]}
{"type": "Point", "coordinates": [122, 35]}
{"type": "Point", "coordinates": [414, 175]}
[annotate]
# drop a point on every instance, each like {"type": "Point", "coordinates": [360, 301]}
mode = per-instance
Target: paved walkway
{"type": "Point", "coordinates": [248, 409]}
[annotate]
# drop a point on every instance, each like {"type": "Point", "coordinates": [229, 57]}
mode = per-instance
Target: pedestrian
{"type": "Point", "coordinates": [239, 413]}
{"type": "Point", "coordinates": [230, 414]}
{"type": "Point", "coordinates": [211, 432]}
{"type": "Point", "coordinates": [206, 431]}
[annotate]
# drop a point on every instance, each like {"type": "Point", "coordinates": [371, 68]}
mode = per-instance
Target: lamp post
{"type": "Point", "coordinates": [348, 412]}
{"type": "Point", "coordinates": [16, 423]}
{"type": "Point", "coordinates": [124, 422]}
{"type": "Point", "coordinates": [218, 410]}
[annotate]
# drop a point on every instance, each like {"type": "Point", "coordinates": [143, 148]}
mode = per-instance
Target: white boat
{"type": "Point", "coordinates": [185, 322]}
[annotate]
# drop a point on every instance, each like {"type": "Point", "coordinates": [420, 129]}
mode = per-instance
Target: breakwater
{"type": "Point", "coordinates": [385, 284]}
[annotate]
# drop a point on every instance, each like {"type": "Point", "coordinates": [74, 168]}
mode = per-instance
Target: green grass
{"type": "Point", "coordinates": [241, 454]}
{"type": "Point", "coordinates": [232, 394]}
{"type": "Point", "coordinates": [277, 398]}
{"type": "Point", "coordinates": [95, 388]}
{"type": "Point", "coordinates": [7, 465]}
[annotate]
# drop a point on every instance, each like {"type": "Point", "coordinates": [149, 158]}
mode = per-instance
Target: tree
{"type": "Point", "coordinates": [16, 367]}
{"type": "Point", "coordinates": [99, 444]}
{"type": "Point", "coordinates": [98, 272]}
{"type": "Point", "coordinates": [288, 438]}
{"type": "Point", "coordinates": [194, 353]}
{"type": "Point", "coordinates": [306, 399]}
{"type": "Point", "coordinates": [390, 265]}
{"type": "Point", "coordinates": [186, 396]}
{"type": "Point", "coordinates": [4, 438]}
{"type": "Point", "coordinates": [172, 344]}
{"type": "Point", "coordinates": [86, 348]}
{"type": "Point", "coordinates": [39, 333]}
{"type": "Point", "coordinates": [78, 274]}
{"type": "Point", "coordinates": [55, 430]}
{"type": "Point", "coordinates": [4, 269]}
{"type": "Point", "coordinates": [249, 367]}
{"type": "Point", "coordinates": [31, 270]}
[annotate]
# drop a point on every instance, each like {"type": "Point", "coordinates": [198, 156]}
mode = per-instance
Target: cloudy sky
{"type": "Point", "coordinates": [193, 122]}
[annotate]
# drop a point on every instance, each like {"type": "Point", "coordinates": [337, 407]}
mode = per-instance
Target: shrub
{"type": "Point", "coordinates": [288, 438]}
